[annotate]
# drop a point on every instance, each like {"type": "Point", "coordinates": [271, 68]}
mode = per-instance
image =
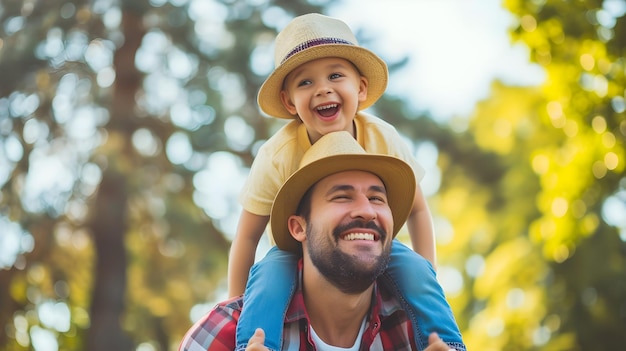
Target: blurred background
{"type": "Point", "coordinates": [127, 128]}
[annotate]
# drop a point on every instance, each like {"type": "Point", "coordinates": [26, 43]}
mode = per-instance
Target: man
{"type": "Point", "coordinates": [341, 210]}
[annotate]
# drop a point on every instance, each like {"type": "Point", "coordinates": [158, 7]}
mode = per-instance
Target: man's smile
{"type": "Point", "coordinates": [359, 236]}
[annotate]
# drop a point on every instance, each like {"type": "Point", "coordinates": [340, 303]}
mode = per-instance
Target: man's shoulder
{"type": "Point", "coordinates": [216, 330]}
{"type": "Point", "coordinates": [236, 303]}
{"type": "Point", "coordinates": [229, 309]}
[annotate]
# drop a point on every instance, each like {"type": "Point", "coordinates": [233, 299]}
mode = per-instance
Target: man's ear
{"type": "Point", "coordinates": [287, 103]}
{"type": "Point", "coordinates": [363, 89]}
{"type": "Point", "coordinates": [297, 227]}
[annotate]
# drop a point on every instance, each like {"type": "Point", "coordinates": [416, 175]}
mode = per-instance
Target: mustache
{"type": "Point", "coordinates": [358, 223]}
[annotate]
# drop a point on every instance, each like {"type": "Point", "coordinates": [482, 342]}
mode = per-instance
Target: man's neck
{"type": "Point", "coordinates": [335, 316]}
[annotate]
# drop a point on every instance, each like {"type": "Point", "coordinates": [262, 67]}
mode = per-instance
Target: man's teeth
{"type": "Point", "coordinates": [326, 107]}
{"type": "Point", "coordinates": [359, 236]}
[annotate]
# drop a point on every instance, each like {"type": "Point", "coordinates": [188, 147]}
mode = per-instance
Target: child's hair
{"type": "Point", "coordinates": [313, 36]}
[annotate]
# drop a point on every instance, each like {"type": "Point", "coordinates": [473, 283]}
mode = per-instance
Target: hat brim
{"type": "Point", "coordinates": [396, 175]}
{"type": "Point", "coordinates": [368, 63]}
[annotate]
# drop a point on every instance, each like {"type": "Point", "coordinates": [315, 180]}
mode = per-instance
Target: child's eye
{"type": "Point", "coordinates": [304, 82]}
{"type": "Point", "coordinates": [336, 75]}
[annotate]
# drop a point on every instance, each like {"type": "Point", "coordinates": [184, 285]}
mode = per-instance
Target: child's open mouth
{"type": "Point", "coordinates": [328, 110]}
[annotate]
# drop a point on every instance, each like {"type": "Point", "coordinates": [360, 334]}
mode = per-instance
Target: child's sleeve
{"type": "Point", "coordinates": [262, 184]}
{"type": "Point", "coordinates": [383, 138]}
{"type": "Point", "coordinates": [402, 150]}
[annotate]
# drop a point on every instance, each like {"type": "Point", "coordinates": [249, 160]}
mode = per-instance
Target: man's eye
{"type": "Point", "coordinates": [378, 199]}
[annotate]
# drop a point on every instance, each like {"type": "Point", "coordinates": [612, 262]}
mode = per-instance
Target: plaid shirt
{"type": "Point", "coordinates": [388, 326]}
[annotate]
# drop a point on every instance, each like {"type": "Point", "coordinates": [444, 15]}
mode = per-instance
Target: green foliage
{"type": "Point", "coordinates": [553, 271]}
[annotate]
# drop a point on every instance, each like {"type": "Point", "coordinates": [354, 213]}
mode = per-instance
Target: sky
{"type": "Point", "coordinates": [456, 48]}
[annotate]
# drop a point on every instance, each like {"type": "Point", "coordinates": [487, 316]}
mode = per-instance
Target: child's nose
{"type": "Point", "coordinates": [324, 89]}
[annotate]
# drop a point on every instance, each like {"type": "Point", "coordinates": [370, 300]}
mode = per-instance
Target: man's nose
{"type": "Point", "coordinates": [363, 209]}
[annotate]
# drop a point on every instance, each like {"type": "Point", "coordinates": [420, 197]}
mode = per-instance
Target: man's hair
{"type": "Point", "coordinates": [304, 206]}
{"type": "Point", "coordinates": [304, 209]}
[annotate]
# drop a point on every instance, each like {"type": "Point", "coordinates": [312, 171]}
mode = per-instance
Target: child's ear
{"type": "Point", "coordinates": [297, 227]}
{"type": "Point", "coordinates": [286, 100]}
{"type": "Point", "coordinates": [363, 89]}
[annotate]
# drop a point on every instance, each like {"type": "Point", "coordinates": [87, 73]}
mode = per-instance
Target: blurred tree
{"type": "Point", "coordinates": [581, 165]}
{"type": "Point", "coordinates": [117, 120]}
{"type": "Point", "coordinates": [539, 235]}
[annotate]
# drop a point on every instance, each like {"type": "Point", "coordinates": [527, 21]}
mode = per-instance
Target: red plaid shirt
{"type": "Point", "coordinates": [388, 327]}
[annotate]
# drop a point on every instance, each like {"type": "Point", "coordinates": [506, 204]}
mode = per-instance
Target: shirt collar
{"type": "Point", "coordinates": [297, 309]}
{"type": "Point", "coordinates": [305, 143]}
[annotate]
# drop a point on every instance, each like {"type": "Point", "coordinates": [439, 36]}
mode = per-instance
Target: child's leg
{"type": "Point", "coordinates": [271, 284]}
{"type": "Point", "coordinates": [413, 280]}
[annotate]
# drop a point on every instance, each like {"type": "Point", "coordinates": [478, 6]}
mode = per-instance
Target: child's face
{"type": "Point", "coordinates": [325, 94]}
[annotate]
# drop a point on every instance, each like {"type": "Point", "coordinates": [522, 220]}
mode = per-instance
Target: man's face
{"type": "Point", "coordinates": [349, 230]}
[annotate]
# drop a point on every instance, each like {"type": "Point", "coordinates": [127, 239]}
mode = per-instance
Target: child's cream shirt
{"type": "Point", "coordinates": [280, 156]}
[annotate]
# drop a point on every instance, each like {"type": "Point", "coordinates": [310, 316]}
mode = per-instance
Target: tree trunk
{"type": "Point", "coordinates": [110, 224]}
{"type": "Point", "coordinates": [108, 227]}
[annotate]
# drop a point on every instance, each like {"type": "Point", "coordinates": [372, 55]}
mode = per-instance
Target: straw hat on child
{"type": "Point", "coordinates": [313, 36]}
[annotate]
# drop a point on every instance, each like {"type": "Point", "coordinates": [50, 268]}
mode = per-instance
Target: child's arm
{"type": "Point", "coordinates": [243, 250]}
{"type": "Point", "coordinates": [421, 230]}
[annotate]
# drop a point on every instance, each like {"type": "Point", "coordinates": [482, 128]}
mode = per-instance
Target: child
{"type": "Point", "coordinates": [322, 80]}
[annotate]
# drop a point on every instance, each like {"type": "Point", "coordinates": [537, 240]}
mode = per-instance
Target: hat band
{"type": "Point", "coordinates": [314, 42]}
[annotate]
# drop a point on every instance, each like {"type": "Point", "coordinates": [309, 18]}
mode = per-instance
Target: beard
{"type": "Point", "coordinates": [346, 272]}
